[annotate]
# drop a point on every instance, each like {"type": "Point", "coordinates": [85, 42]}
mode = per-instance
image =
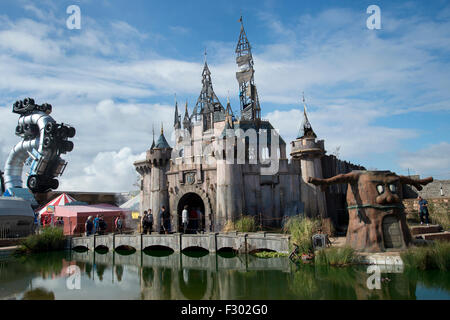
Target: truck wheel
{"type": "Point", "coordinates": [33, 183]}
{"type": "Point", "coordinates": [54, 184]}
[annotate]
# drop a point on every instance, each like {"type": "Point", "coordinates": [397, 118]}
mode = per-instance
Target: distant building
{"type": "Point", "coordinates": [205, 170]}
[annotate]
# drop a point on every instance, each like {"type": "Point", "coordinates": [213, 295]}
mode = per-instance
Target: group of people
{"type": "Point", "coordinates": [191, 220]}
{"type": "Point", "coordinates": [98, 225]}
{"type": "Point", "coordinates": [147, 221]}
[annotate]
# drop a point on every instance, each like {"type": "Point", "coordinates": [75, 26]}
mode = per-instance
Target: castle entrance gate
{"type": "Point", "coordinates": [196, 212]}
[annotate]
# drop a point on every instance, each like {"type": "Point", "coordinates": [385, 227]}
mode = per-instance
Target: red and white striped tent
{"type": "Point", "coordinates": [61, 200]}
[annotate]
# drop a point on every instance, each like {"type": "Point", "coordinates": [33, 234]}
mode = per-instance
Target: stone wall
{"type": "Point", "coordinates": [439, 209]}
{"type": "Point", "coordinates": [431, 190]}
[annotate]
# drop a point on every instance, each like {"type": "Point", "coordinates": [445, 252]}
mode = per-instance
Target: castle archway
{"type": "Point", "coordinates": [196, 212]}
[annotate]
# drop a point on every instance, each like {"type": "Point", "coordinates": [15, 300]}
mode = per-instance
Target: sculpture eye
{"type": "Point", "coordinates": [380, 189]}
{"type": "Point", "coordinates": [393, 188]}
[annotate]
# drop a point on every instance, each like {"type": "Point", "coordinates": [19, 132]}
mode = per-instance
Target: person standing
{"type": "Point", "coordinates": [200, 219]}
{"type": "Point", "coordinates": [36, 223]}
{"type": "Point", "coordinates": [423, 207]}
{"type": "Point", "coordinates": [102, 225]}
{"type": "Point", "coordinates": [119, 223]}
{"type": "Point", "coordinates": [96, 221]}
{"type": "Point", "coordinates": [144, 223]}
{"type": "Point", "coordinates": [150, 221]}
{"type": "Point", "coordinates": [184, 218]}
{"type": "Point", "coordinates": [89, 226]}
{"type": "Point", "coordinates": [165, 216]}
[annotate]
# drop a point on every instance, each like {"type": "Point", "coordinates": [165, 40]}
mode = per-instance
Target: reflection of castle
{"type": "Point", "coordinates": [203, 169]}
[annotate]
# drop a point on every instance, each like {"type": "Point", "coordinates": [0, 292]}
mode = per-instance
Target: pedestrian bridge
{"type": "Point", "coordinates": [212, 242]}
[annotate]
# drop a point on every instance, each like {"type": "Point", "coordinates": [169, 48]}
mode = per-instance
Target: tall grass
{"type": "Point", "coordinates": [50, 239]}
{"type": "Point", "coordinates": [335, 256]}
{"type": "Point", "coordinates": [243, 224]}
{"type": "Point", "coordinates": [439, 214]}
{"type": "Point", "coordinates": [301, 230]}
{"type": "Point", "coordinates": [434, 256]}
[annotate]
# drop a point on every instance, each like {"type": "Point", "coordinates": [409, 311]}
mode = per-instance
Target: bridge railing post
{"type": "Point", "coordinates": [114, 241]}
{"type": "Point", "coordinates": [213, 242]}
{"type": "Point", "coordinates": [179, 243]}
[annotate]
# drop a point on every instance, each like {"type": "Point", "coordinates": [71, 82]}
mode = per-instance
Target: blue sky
{"type": "Point", "coordinates": [381, 96]}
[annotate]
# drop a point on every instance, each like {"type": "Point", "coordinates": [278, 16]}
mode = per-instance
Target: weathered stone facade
{"type": "Point", "coordinates": [203, 169]}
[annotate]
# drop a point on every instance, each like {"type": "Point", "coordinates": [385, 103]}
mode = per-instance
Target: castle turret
{"type": "Point", "coordinates": [154, 189]}
{"type": "Point", "coordinates": [308, 152]}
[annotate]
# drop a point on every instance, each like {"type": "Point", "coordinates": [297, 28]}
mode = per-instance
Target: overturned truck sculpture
{"type": "Point", "coordinates": [43, 141]}
{"type": "Point", "coordinates": [377, 220]}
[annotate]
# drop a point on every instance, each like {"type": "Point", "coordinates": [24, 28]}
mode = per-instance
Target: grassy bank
{"type": "Point", "coordinates": [335, 256]}
{"type": "Point", "coordinates": [50, 239]}
{"type": "Point", "coordinates": [301, 230]}
{"type": "Point", "coordinates": [439, 214]}
{"type": "Point", "coordinates": [269, 254]}
{"type": "Point", "coordinates": [434, 256]}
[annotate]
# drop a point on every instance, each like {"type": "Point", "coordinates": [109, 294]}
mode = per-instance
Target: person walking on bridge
{"type": "Point", "coordinates": [184, 218]}
{"type": "Point", "coordinates": [165, 216]}
{"type": "Point", "coordinates": [150, 221]}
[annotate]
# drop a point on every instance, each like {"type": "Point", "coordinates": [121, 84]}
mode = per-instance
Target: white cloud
{"type": "Point", "coordinates": [109, 171]}
{"type": "Point", "coordinates": [343, 126]}
{"type": "Point", "coordinates": [430, 161]}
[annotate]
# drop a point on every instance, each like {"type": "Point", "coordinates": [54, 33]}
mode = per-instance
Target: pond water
{"type": "Point", "coordinates": [194, 275]}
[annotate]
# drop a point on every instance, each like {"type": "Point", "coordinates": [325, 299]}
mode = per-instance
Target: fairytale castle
{"type": "Point", "coordinates": [231, 165]}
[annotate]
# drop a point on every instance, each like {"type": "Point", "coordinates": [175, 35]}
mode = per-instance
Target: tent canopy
{"type": "Point", "coordinates": [60, 200]}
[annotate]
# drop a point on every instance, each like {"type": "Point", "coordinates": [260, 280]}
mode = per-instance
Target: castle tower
{"type": "Point", "coordinates": [306, 150]}
{"type": "Point", "coordinates": [159, 158]}
{"type": "Point", "coordinates": [229, 204]}
{"type": "Point", "coordinates": [248, 95]}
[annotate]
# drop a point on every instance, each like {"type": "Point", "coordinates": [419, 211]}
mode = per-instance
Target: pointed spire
{"type": "Point", "coordinates": [162, 142]}
{"type": "Point", "coordinates": [306, 128]}
{"type": "Point", "coordinates": [153, 133]}
{"type": "Point", "coordinates": [187, 119]}
{"type": "Point", "coordinates": [249, 101]}
{"type": "Point", "coordinates": [207, 103]}
{"type": "Point", "coordinates": [243, 46]}
{"type": "Point", "coordinates": [186, 112]}
{"type": "Point", "coordinates": [177, 118]}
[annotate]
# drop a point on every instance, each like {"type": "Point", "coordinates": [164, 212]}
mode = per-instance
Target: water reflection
{"type": "Point", "coordinates": [167, 275]}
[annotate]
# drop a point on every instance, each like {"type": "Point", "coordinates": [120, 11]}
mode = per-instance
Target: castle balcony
{"type": "Point", "coordinates": [143, 167]}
